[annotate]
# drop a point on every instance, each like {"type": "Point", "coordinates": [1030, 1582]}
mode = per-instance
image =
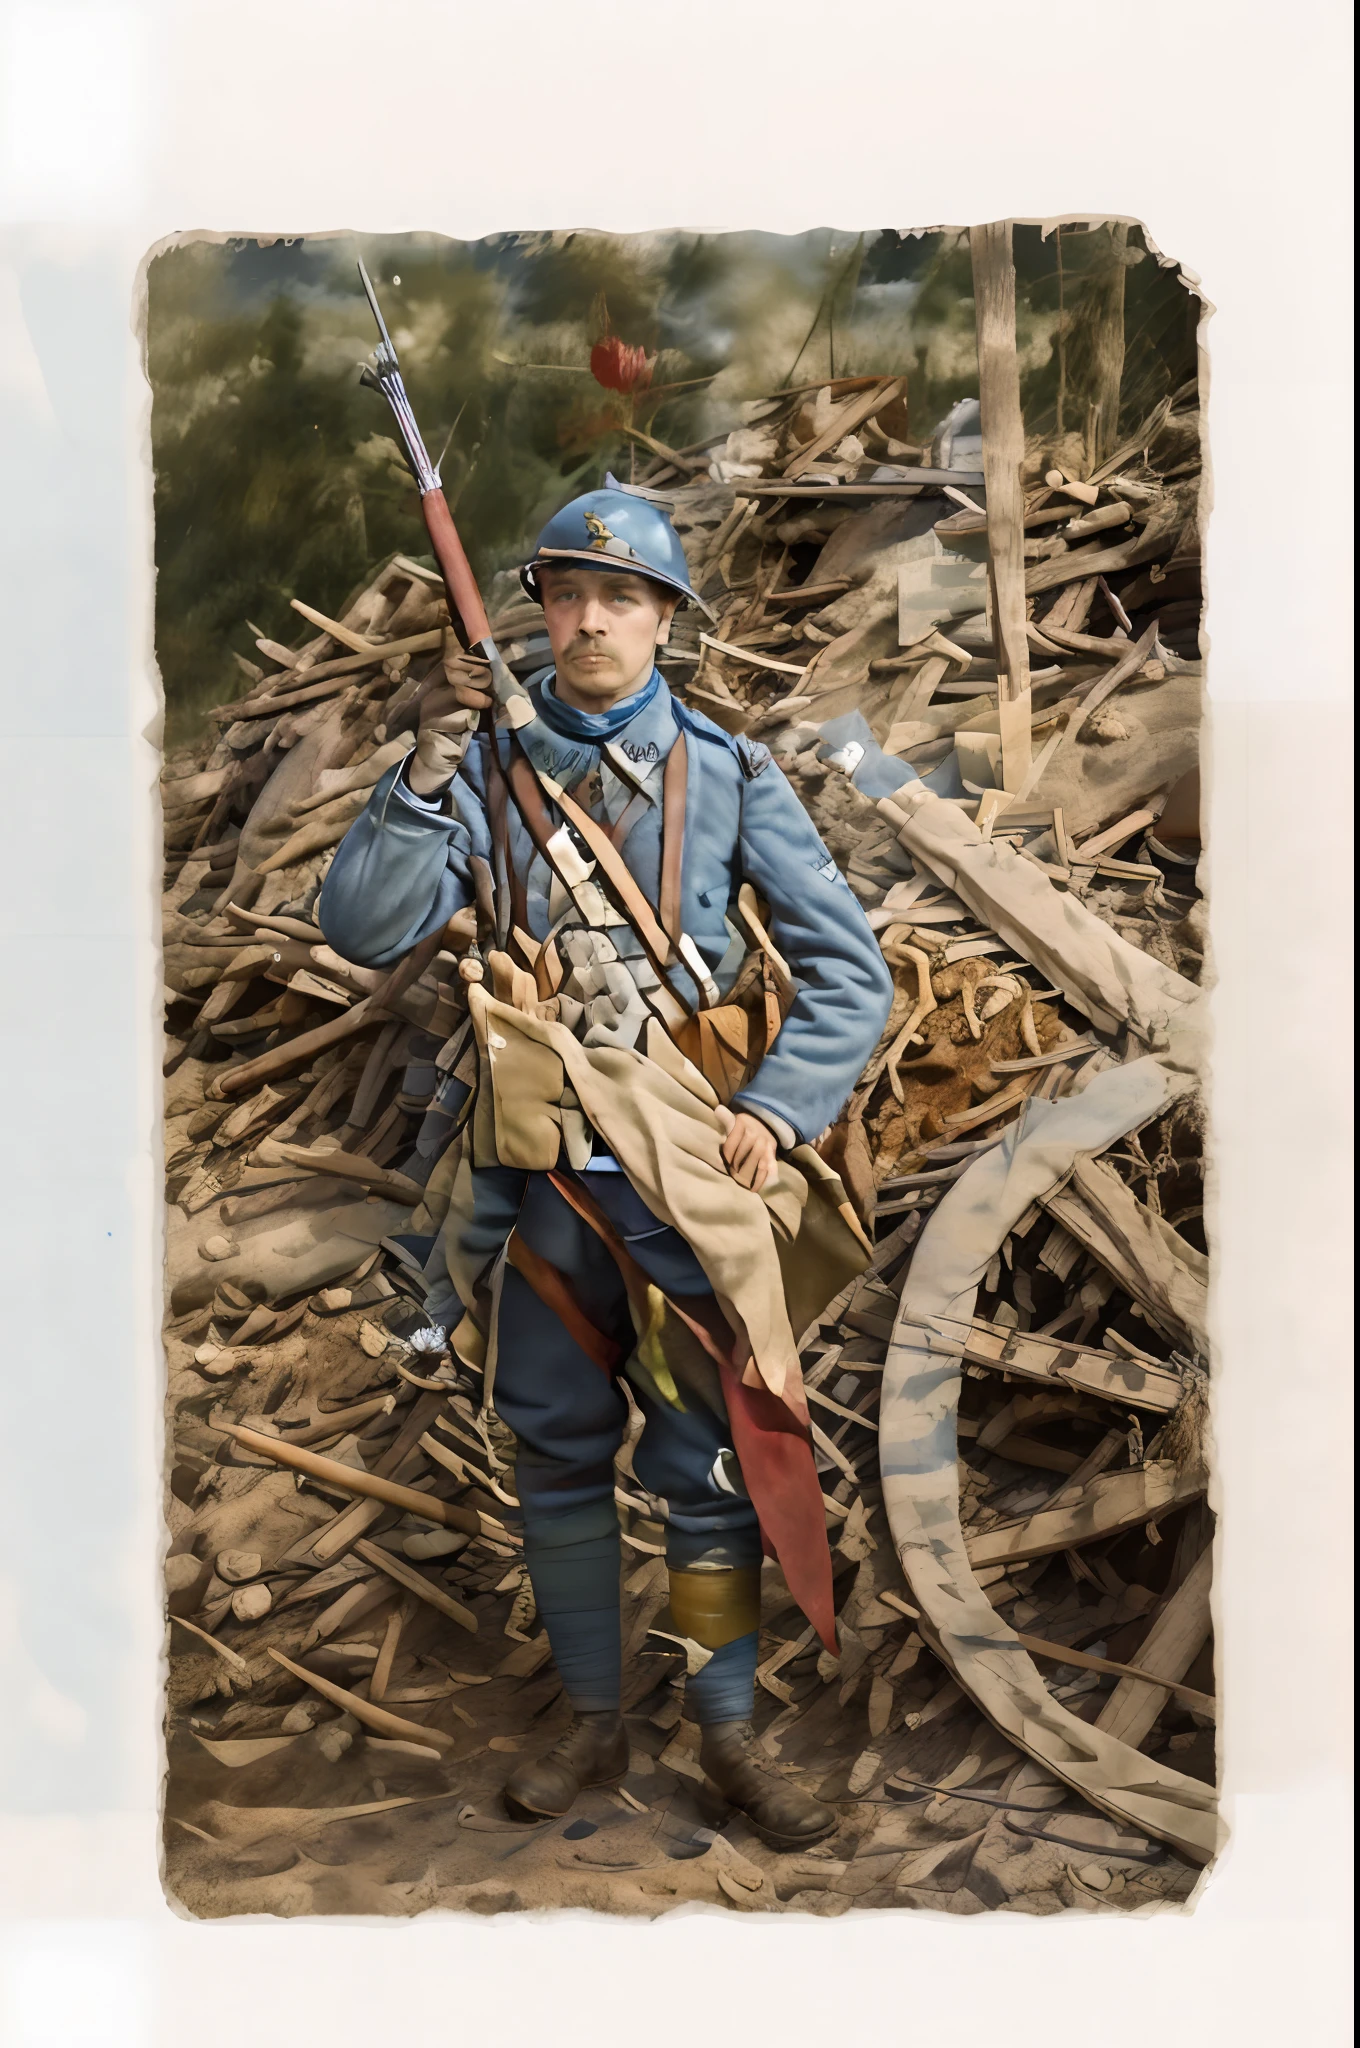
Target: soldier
{"type": "Point", "coordinates": [695, 814]}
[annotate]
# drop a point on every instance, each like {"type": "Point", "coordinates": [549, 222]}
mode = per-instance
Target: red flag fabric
{"type": "Point", "coordinates": [773, 1445]}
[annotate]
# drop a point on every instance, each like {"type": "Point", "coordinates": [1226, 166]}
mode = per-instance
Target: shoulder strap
{"type": "Point", "coordinates": [527, 787]}
{"type": "Point", "coordinates": [674, 789]}
{"type": "Point", "coordinates": [636, 807]}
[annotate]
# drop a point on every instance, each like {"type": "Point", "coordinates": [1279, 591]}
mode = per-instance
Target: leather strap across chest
{"type": "Point", "coordinates": [663, 938]}
{"type": "Point", "coordinates": [674, 790]}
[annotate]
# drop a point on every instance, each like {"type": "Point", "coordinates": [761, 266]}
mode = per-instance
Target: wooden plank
{"type": "Point", "coordinates": [809, 593]}
{"type": "Point", "coordinates": [1003, 449]}
{"type": "Point", "coordinates": [1166, 1276]}
{"type": "Point", "coordinates": [294, 1052]}
{"type": "Point", "coordinates": [1061, 1653]}
{"type": "Point", "coordinates": [921, 689]}
{"type": "Point", "coordinates": [381, 1180]}
{"type": "Point", "coordinates": [1028, 1450]}
{"type": "Point", "coordinates": [1113, 835]}
{"type": "Point", "coordinates": [377, 1718]}
{"type": "Point", "coordinates": [1171, 1646]}
{"type": "Point", "coordinates": [1102, 562]}
{"type": "Point", "coordinates": [907, 479]}
{"type": "Point", "coordinates": [994, 1106]}
{"type": "Point", "coordinates": [667, 454]}
{"type": "Point", "coordinates": [1112, 647]}
{"type": "Point", "coordinates": [367, 1485]}
{"type": "Point", "coordinates": [788, 668]}
{"type": "Point", "coordinates": [1025, 1355]}
{"type": "Point", "coordinates": [325, 674]}
{"type": "Point", "coordinates": [1113, 1502]}
{"type": "Point", "coordinates": [1074, 1048]}
{"type": "Point", "coordinates": [358, 643]}
{"type": "Point", "coordinates": [1098, 521]}
{"type": "Point", "coordinates": [415, 1582]}
{"type": "Point", "coordinates": [844, 421]}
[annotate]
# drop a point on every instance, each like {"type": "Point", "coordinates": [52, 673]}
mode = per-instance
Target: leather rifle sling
{"type": "Point", "coordinates": [558, 1295]}
{"type": "Point", "coordinates": [635, 1278]}
{"type": "Point", "coordinates": [484, 896]}
{"type": "Point", "coordinates": [497, 806]}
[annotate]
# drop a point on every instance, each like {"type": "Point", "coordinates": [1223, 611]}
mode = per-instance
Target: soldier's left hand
{"type": "Point", "coordinates": [749, 1151]}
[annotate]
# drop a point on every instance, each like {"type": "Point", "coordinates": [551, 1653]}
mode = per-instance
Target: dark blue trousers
{"type": "Point", "coordinates": [569, 1417]}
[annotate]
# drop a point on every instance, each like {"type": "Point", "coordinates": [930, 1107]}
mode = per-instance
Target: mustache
{"type": "Point", "coordinates": [582, 648]}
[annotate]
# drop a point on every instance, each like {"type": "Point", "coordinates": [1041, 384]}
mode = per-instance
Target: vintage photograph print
{"type": "Point", "coordinates": [685, 1325]}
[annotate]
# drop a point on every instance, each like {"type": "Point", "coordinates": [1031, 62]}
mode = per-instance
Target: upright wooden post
{"type": "Point", "coordinates": [1003, 448]}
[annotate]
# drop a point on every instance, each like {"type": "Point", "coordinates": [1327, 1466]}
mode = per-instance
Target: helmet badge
{"type": "Point", "coordinates": [603, 540]}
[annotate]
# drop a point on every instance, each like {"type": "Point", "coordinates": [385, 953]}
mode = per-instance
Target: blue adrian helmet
{"type": "Point", "coordinates": [615, 528]}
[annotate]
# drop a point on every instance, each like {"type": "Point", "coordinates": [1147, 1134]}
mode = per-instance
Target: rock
{"type": "Point", "coordinates": [1105, 724]}
{"type": "Point", "coordinates": [186, 1581]}
{"type": "Point", "coordinates": [333, 1742]}
{"type": "Point", "coordinates": [301, 1719]}
{"type": "Point", "coordinates": [373, 1340]}
{"type": "Point", "coordinates": [218, 1247]}
{"type": "Point", "coordinates": [182, 1573]}
{"type": "Point", "coordinates": [483, 1898]}
{"type": "Point", "coordinates": [235, 1566]}
{"type": "Point", "coordinates": [231, 1358]}
{"type": "Point", "coordinates": [251, 1603]}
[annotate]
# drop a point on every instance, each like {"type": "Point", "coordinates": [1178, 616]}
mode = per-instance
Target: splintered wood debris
{"type": "Point", "coordinates": [359, 1649]}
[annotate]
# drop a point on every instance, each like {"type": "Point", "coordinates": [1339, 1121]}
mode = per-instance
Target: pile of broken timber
{"type": "Point", "coordinates": [354, 1635]}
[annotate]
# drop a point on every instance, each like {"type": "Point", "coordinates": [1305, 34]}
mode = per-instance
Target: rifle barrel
{"type": "Point", "coordinates": [464, 597]}
{"type": "Point", "coordinates": [376, 309]}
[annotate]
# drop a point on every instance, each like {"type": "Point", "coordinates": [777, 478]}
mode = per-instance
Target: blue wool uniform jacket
{"type": "Point", "coordinates": [403, 869]}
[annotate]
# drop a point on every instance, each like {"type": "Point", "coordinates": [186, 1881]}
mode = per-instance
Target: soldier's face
{"type": "Point", "coordinates": [604, 626]}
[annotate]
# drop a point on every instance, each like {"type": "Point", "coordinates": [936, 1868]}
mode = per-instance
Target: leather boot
{"type": "Point", "coordinates": [592, 1750]}
{"type": "Point", "coordinates": [780, 1813]}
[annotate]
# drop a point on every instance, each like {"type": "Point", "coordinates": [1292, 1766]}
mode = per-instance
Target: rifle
{"type": "Point", "coordinates": [666, 950]}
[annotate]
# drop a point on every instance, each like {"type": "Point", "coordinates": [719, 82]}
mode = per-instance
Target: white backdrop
{"type": "Point", "coordinates": [1224, 128]}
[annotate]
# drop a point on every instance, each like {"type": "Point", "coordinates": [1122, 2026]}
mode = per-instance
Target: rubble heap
{"type": "Point", "coordinates": [354, 1650]}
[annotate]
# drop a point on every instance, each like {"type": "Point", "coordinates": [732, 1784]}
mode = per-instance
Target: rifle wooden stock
{"type": "Point", "coordinates": [455, 567]}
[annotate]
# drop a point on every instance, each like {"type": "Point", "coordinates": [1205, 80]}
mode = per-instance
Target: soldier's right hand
{"type": "Point", "coordinates": [448, 714]}
{"type": "Point", "coordinates": [466, 685]}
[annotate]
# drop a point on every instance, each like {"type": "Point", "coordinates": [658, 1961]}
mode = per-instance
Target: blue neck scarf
{"type": "Point", "coordinates": [595, 727]}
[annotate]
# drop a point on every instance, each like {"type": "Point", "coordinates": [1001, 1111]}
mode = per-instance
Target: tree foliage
{"type": "Point", "coordinates": [278, 476]}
